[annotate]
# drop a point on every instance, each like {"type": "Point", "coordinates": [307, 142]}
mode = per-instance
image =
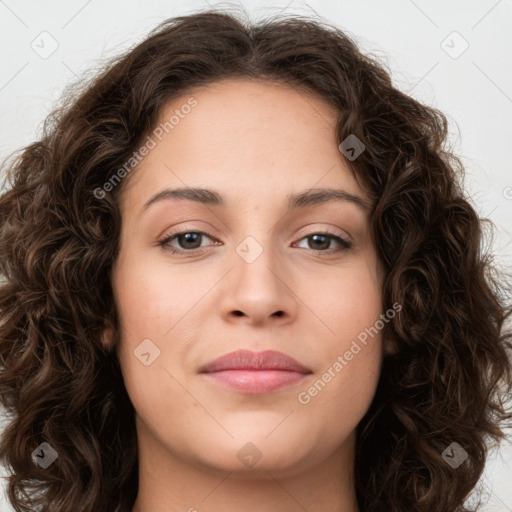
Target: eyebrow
{"type": "Point", "coordinates": [311, 197]}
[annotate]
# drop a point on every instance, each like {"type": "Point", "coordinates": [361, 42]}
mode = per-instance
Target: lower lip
{"type": "Point", "coordinates": [256, 381]}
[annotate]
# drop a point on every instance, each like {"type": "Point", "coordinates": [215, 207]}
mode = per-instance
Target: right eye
{"type": "Point", "coordinates": [186, 238]}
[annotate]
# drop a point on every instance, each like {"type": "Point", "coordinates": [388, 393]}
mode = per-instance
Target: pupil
{"type": "Point", "coordinates": [315, 237]}
{"type": "Point", "coordinates": [190, 237]}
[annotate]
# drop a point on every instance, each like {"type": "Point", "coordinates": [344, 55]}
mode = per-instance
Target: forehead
{"type": "Point", "coordinates": [246, 137]}
{"type": "Point", "coordinates": [239, 110]}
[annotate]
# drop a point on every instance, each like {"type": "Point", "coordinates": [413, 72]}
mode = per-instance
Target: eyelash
{"type": "Point", "coordinates": [345, 244]}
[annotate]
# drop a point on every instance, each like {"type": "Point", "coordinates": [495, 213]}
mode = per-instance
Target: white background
{"type": "Point", "coordinates": [474, 90]}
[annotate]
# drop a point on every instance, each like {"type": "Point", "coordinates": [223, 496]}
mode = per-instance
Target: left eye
{"type": "Point", "coordinates": [321, 238]}
{"type": "Point", "coordinates": [190, 241]}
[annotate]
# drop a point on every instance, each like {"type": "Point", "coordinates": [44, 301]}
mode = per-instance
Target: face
{"type": "Point", "coordinates": [253, 270]}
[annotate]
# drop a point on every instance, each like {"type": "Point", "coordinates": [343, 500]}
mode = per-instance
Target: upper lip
{"type": "Point", "coordinates": [248, 360]}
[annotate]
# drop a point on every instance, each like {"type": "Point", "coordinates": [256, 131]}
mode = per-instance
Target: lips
{"type": "Point", "coordinates": [247, 360]}
{"type": "Point", "coordinates": [255, 372]}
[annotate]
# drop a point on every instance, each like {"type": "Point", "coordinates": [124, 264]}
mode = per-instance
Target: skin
{"type": "Point", "coordinates": [254, 143]}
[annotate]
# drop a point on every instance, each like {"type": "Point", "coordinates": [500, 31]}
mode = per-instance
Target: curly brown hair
{"type": "Point", "coordinates": [450, 371]}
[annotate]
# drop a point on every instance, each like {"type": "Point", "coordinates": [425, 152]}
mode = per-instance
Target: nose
{"type": "Point", "coordinates": [258, 290]}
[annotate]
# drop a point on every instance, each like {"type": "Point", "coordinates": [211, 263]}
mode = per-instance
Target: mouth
{"type": "Point", "coordinates": [255, 372]}
{"type": "Point", "coordinates": [256, 381]}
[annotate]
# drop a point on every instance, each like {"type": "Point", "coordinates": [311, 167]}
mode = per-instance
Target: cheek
{"type": "Point", "coordinates": [147, 303]}
{"type": "Point", "coordinates": [347, 301]}
{"type": "Point", "coordinates": [153, 302]}
{"type": "Point", "coordinates": [342, 391]}
{"type": "Point", "coordinates": [352, 351]}
{"type": "Point", "coordinates": [148, 309]}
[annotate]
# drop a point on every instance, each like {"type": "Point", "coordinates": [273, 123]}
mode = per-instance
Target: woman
{"type": "Point", "coordinates": [334, 338]}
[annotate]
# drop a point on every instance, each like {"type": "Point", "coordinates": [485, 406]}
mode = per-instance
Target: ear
{"type": "Point", "coordinates": [107, 337]}
{"type": "Point", "coordinates": [389, 347]}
